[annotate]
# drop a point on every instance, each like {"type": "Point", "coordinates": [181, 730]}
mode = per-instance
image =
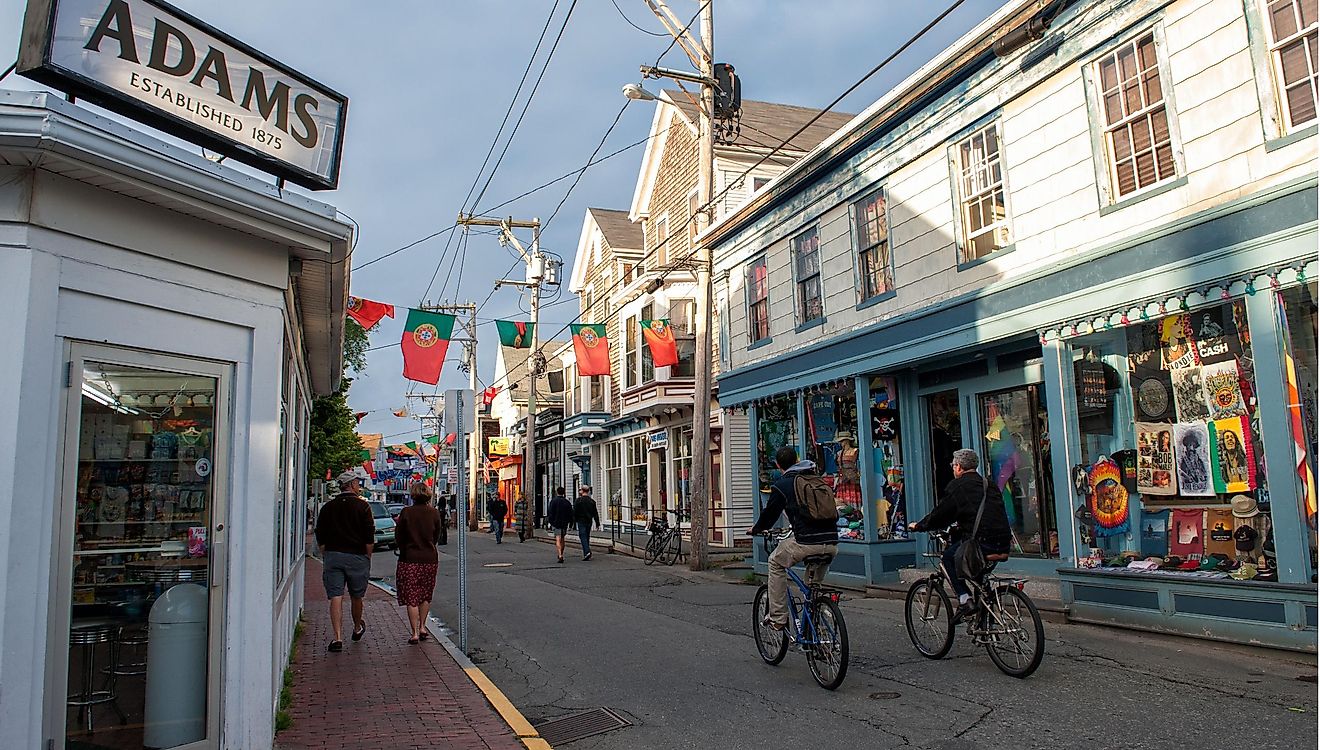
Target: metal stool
{"type": "Point", "coordinates": [88, 636]}
{"type": "Point", "coordinates": [129, 638]}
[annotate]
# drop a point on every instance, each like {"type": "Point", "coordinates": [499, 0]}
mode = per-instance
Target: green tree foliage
{"type": "Point", "coordinates": [333, 440]}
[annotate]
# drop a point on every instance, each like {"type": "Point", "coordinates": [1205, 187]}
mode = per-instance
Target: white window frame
{"type": "Point", "coordinates": [864, 294]}
{"type": "Point", "coordinates": [1275, 48]}
{"type": "Point", "coordinates": [694, 203]}
{"type": "Point", "coordinates": [799, 281]}
{"type": "Point", "coordinates": [631, 336]}
{"type": "Point", "coordinates": [662, 240]}
{"type": "Point", "coordinates": [981, 173]}
{"type": "Point", "coordinates": [750, 284]}
{"type": "Point", "coordinates": [1102, 142]}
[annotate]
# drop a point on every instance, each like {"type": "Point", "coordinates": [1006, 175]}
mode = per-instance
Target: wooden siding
{"type": "Point", "coordinates": [1055, 203]}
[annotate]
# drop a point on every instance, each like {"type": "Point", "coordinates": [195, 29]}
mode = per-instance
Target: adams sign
{"type": "Point", "coordinates": [150, 61]}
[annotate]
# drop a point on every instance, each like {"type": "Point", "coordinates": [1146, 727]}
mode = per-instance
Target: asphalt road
{"type": "Point", "coordinates": [671, 651]}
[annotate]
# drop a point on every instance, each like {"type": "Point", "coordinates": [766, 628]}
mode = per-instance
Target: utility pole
{"type": "Point", "coordinates": [536, 272]}
{"type": "Point", "coordinates": [468, 365]}
{"type": "Point", "coordinates": [702, 54]}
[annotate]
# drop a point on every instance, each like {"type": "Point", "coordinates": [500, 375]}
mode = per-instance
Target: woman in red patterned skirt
{"type": "Point", "coordinates": [417, 533]}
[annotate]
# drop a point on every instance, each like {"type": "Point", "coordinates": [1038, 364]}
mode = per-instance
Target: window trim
{"type": "Point", "coordinates": [661, 249]}
{"type": "Point", "coordinates": [631, 377]}
{"type": "Point", "coordinates": [1272, 116]}
{"type": "Point", "coordinates": [1276, 78]}
{"type": "Point", "coordinates": [961, 240]}
{"type": "Point", "coordinates": [1101, 159]}
{"type": "Point", "coordinates": [854, 236]}
{"type": "Point", "coordinates": [694, 206]}
{"type": "Point", "coordinates": [752, 342]}
{"type": "Point", "coordinates": [799, 308]}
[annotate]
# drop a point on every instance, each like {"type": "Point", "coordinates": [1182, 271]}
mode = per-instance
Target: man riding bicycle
{"type": "Point", "coordinates": [810, 536]}
{"type": "Point", "coordinates": [959, 505]}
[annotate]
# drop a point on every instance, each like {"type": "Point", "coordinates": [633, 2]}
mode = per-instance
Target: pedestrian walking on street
{"type": "Point", "coordinates": [417, 533]}
{"type": "Point", "coordinates": [442, 508]}
{"type": "Point", "coordinates": [497, 509]}
{"type": "Point", "coordinates": [559, 515]}
{"type": "Point", "coordinates": [345, 533]}
{"type": "Point", "coordinates": [520, 518]}
{"type": "Point", "coordinates": [585, 513]}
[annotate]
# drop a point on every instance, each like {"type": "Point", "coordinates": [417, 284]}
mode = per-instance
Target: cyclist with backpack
{"type": "Point", "coordinates": [808, 501]}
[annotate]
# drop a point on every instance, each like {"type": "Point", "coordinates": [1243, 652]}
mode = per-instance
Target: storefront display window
{"type": "Point", "coordinates": [776, 427]}
{"type": "Point", "coordinates": [832, 446]}
{"type": "Point", "coordinates": [142, 525]}
{"type": "Point", "coordinates": [1173, 474]}
{"type": "Point", "coordinates": [683, 472]}
{"type": "Point", "coordinates": [613, 480]}
{"type": "Point", "coordinates": [635, 449]}
{"type": "Point", "coordinates": [1297, 309]}
{"type": "Point", "coordinates": [1015, 453]}
{"type": "Point", "coordinates": [890, 507]}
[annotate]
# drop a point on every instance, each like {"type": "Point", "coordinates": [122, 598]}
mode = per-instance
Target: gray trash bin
{"type": "Point", "coordinates": [176, 668]}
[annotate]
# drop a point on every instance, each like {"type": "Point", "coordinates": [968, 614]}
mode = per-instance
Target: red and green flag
{"type": "Point", "coordinates": [592, 348]}
{"type": "Point", "coordinates": [515, 333]}
{"type": "Point", "coordinates": [368, 313]}
{"type": "Point", "coordinates": [660, 337]}
{"type": "Point", "coordinates": [425, 341]}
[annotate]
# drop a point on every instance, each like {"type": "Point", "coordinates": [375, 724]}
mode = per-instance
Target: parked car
{"type": "Point", "coordinates": [384, 525]}
{"type": "Point", "coordinates": [395, 509]}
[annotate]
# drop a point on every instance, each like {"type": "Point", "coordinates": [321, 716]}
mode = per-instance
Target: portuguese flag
{"type": "Point", "coordinates": [515, 333]}
{"type": "Point", "coordinates": [592, 348]}
{"type": "Point", "coordinates": [368, 313]}
{"type": "Point", "coordinates": [660, 337]}
{"type": "Point", "coordinates": [425, 341]}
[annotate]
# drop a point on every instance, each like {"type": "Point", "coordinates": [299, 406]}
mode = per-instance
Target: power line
{"type": "Point", "coordinates": [628, 21]}
{"type": "Point", "coordinates": [587, 166]}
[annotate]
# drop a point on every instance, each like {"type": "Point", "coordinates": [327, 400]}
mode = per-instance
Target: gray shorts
{"type": "Point", "coordinates": [341, 567]}
{"type": "Point", "coordinates": [561, 532]}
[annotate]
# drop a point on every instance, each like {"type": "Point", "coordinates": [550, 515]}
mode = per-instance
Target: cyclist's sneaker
{"type": "Point", "coordinates": [767, 622]}
{"type": "Point", "coordinates": [965, 610]}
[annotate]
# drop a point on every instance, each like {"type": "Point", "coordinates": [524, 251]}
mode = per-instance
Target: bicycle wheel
{"type": "Point", "coordinates": [827, 654]}
{"type": "Point", "coordinates": [771, 643]}
{"type": "Point", "coordinates": [674, 547]}
{"type": "Point", "coordinates": [654, 546]}
{"type": "Point", "coordinates": [1015, 637]}
{"type": "Point", "coordinates": [929, 617]}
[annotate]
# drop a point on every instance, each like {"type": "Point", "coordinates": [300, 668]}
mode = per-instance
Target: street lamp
{"type": "Point", "coordinates": [635, 92]}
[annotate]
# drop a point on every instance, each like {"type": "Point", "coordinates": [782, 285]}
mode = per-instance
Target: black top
{"type": "Point", "coordinates": [584, 510]}
{"type": "Point", "coordinates": [497, 508]}
{"type": "Point", "coordinates": [417, 533]}
{"type": "Point", "coordinates": [959, 504]}
{"type": "Point", "coordinates": [345, 525]}
{"type": "Point", "coordinates": [560, 512]}
{"type": "Point", "coordinates": [783, 499]}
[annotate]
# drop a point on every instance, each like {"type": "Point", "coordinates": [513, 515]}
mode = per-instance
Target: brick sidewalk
{"type": "Point", "coordinates": [382, 693]}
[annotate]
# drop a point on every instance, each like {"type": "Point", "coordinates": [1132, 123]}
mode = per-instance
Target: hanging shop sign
{"type": "Point", "coordinates": [150, 61]}
{"type": "Point", "coordinates": [659, 440]}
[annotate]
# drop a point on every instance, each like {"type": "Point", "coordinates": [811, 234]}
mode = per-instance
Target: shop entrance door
{"type": "Point", "coordinates": [944, 417]}
{"type": "Point", "coordinates": [136, 629]}
{"type": "Point", "coordinates": [1015, 454]}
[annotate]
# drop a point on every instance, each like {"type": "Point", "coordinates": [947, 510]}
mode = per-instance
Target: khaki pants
{"type": "Point", "coordinates": [785, 556]}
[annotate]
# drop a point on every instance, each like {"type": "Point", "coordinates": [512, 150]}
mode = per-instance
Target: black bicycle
{"type": "Point", "coordinates": [1004, 620]}
{"type": "Point", "coordinates": [666, 542]}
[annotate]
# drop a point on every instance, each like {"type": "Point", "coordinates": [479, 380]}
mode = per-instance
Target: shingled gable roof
{"type": "Point", "coordinates": [766, 124]}
{"type": "Point", "coordinates": [621, 233]}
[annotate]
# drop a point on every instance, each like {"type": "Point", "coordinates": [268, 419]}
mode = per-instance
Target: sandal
{"type": "Point", "coordinates": [336, 646]}
{"type": "Point", "coordinates": [359, 632]}
{"type": "Point", "coordinates": [413, 641]}
{"type": "Point", "coordinates": [424, 635]}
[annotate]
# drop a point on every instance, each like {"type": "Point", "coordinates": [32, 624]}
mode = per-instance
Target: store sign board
{"type": "Point", "coordinates": [150, 61]}
{"type": "Point", "coordinates": [658, 440]}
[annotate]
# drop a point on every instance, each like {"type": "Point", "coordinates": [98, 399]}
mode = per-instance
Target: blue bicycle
{"type": "Point", "coordinates": [815, 623]}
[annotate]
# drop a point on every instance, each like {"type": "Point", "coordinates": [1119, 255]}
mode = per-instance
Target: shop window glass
{"type": "Point", "coordinates": [873, 264]}
{"type": "Point", "coordinates": [1136, 121]}
{"type": "Point", "coordinates": [944, 416]}
{"type": "Point", "coordinates": [758, 301]}
{"type": "Point", "coordinates": [635, 449]}
{"type": "Point", "coordinates": [1297, 307]}
{"type": "Point", "coordinates": [832, 445]}
{"type": "Point", "coordinates": [682, 319]}
{"type": "Point", "coordinates": [890, 507]}
{"type": "Point", "coordinates": [1015, 457]}
{"type": "Point", "coordinates": [1173, 468]}
{"type": "Point", "coordinates": [597, 395]}
{"type": "Point", "coordinates": [142, 530]}
{"type": "Point", "coordinates": [613, 481]}
{"type": "Point", "coordinates": [1294, 39]}
{"type": "Point", "coordinates": [776, 427]}
{"type": "Point", "coordinates": [981, 192]}
{"type": "Point", "coordinates": [806, 268]}
{"type": "Point", "coordinates": [683, 473]}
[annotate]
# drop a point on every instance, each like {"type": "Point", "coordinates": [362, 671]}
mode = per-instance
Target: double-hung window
{"type": "Point", "coordinates": [693, 205]}
{"type": "Point", "coordinates": [631, 334]}
{"type": "Point", "coordinates": [982, 193]}
{"type": "Point", "coordinates": [1294, 38]}
{"type": "Point", "coordinates": [682, 319]}
{"type": "Point", "coordinates": [758, 301]}
{"type": "Point", "coordinates": [1137, 135]}
{"type": "Point", "coordinates": [645, 360]}
{"type": "Point", "coordinates": [806, 267]}
{"type": "Point", "coordinates": [662, 240]}
{"type": "Point", "coordinates": [873, 268]}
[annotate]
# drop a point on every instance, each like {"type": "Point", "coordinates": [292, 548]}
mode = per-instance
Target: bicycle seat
{"type": "Point", "coordinates": [997, 558]}
{"type": "Point", "coordinates": [818, 559]}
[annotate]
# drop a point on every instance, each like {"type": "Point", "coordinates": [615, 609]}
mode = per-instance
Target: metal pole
{"type": "Point", "coordinates": [701, 410]}
{"type": "Point", "coordinates": [462, 531]}
{"type": "Point", "coordinates": [529, 457]}
{"type": "Point", "coordinates": [474, 440]}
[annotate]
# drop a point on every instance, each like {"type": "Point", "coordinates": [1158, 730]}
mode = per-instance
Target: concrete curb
{"type": "Point", "coordinates": [522, 728]}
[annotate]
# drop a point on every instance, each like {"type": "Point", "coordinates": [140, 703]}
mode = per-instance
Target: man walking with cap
{"type": "Point", "coordinates": [345, 532]}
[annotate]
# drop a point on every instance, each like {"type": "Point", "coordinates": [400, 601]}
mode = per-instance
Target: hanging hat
{"type": "Point", "coordinates": [843, 436]}
{"type": "Point", "coordinates": [1244, 507]}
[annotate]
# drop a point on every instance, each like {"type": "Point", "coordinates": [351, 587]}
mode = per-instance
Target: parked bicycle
{"type": "Point", "coordinates": [1005, 620]}
{"type": "Point", "coordinates": [666, 542]}
{"type": "Point", "coordinates": [815, 623]}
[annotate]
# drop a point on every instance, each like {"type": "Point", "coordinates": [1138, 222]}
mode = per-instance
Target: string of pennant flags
{"type": "Point", "coordinates": [426, 335]}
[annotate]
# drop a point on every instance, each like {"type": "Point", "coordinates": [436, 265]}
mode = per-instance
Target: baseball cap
{"type": "Point", "coordinates": [1190, 565]}
{"type": "Point", "coordinates": [346, 477]}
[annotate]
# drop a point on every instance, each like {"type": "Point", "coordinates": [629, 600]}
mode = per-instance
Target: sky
{"type": "Point", "coordinates": [429, 82]}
